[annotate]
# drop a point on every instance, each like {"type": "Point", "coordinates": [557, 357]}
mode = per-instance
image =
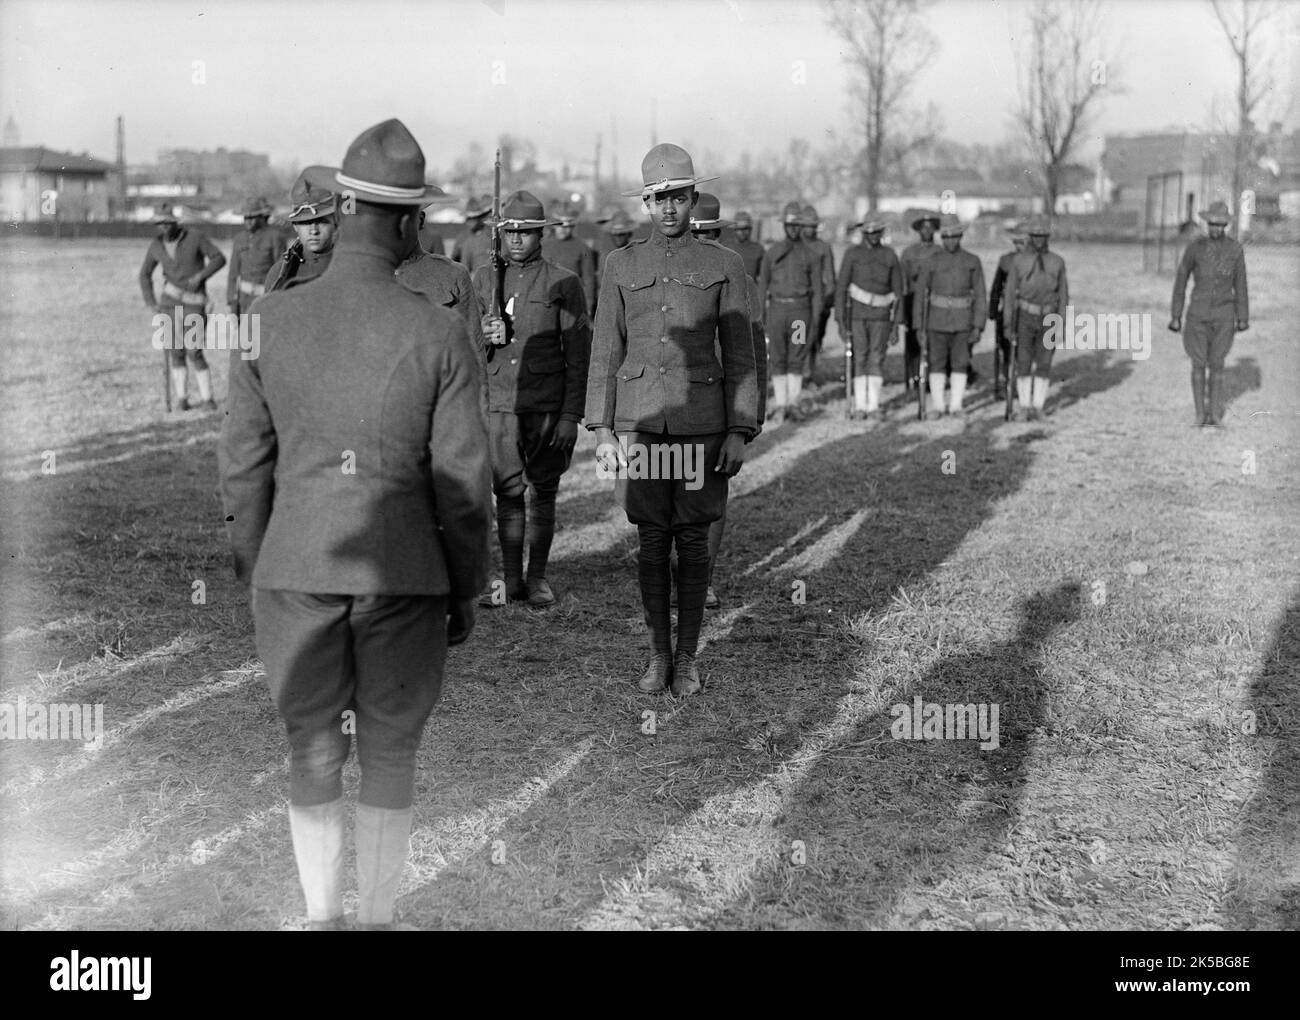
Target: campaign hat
{"type": "Point", "coordinates": [383, 165]}
{"type": "Point", "coordinates": [310, 202]}
{"type": "Point", "coordinates": [707, 214]}
{"type": "Point", "coordinates": [522, 210]}
{"type": "Point", "coordinates": [666, 167]}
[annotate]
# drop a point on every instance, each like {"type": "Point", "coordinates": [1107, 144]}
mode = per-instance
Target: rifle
{"type": "Point", "coordinates": [291, 262]}
{"type": "Point", "coordinates": [498, 261]}
{"type": "Point", "coordinates": [167, 377]}
{"type": "Point", "coordinates": [1011, 364]}
{"type": "Point", "coordinates": [846, 325]}
{"type": "Point", "coordinates": [923, 347]}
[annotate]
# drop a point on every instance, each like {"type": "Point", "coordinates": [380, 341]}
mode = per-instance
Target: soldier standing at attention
{"type": "Point", "coordinates": [1220, 303]}
{"type": "Point", "coordinates": [868, 308]}
{"type": "Point", "coordinates": [363, 569]}
{"type": "Point", "coordinates": [952, 302]}
{"type": "Point", "coordinates": [791, 285]}
{"type": "Point", "coordinates": [750, 252]}
{"type": "Point", "coordinates": [913, 260]}
{"type": "Point", "coordinates": [1036, 287]}
{"type": "Point", "coordinates": [315, 220]}
{"type": "Point", "coordinates": [665, 302]}
{"type": "Point", "coordinates": [826, 261]}
{"type": "Point", "coordinates": [473, 248]}
{"type": "Point", "coordinates": [256, 250]}
{"type": "Point", "coordinates": [538, 355]}
{"type": "Point", "coordinates": [188, 259]}
{"type": "Point", "coordinates": [996, 291]}
{"type": "Point", "coordinates": [568, 252]}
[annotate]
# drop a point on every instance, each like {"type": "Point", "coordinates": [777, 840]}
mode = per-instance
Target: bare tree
{"type": "Point", "coordinates": [1063, 78]}
{"type": "Point", "coordinates": [888, 46]}
{"type": "Point", "coordinates": [1243, 28]}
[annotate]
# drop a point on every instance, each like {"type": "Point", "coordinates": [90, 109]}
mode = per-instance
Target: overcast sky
{"type": "Point", "coordinates": [300, 79]}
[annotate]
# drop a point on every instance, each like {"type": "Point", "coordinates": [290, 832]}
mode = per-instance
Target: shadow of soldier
{"type": "Point", "coordinates": [1265, 891]}
{"type": "Point", "coordinates": [1240, 377]}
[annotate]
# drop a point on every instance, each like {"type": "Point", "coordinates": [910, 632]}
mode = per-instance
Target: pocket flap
{"type": "Point", "coordinates": [703, 280]}
{"type": "Point", "coordinates": [704, 374]}
{"type": "Point", "coordinates": [639, 283]}
{"type": "Point", "coordinates": [631, 372]}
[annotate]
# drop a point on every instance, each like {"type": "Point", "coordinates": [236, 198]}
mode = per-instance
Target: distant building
{"type": "Point", "coordinates": [37, 183]}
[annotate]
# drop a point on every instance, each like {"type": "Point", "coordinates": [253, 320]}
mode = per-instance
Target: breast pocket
{"type": "Point", "coordinates": [699, 293]}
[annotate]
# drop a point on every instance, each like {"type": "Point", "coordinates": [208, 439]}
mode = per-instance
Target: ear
{"type": "Point", "coordinates": [695, 198]}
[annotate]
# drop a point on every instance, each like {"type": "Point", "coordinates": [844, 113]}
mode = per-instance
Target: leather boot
{"type": "Point", "coordinates": [1198, 394]}
{"type": "Point", "coordinates": [1214, 404]}
{"type": "Point", "coordinates": [317, 833]}
{"type": "Point", "coordinates": [656, 580]}
{"type": "Point", "coordinates": [383, 845]}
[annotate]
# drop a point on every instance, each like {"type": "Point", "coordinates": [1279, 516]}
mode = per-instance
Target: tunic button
{"type": "Point", "coordinates": [664, 308]}
{"type": "Point", "coordinates": [665, 279]}
{"type": "Point", "coordinates": [663, 339]}
{"type": "Point", "coordinates": [513, 360]}
{"type": "Point", "coordinates": [662, 371]}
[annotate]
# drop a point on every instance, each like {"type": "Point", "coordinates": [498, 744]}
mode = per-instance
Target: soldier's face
{"type": "Point", "coordinates": [1019, 243]}
{"type": "Point", "coordinates": [1216, 229]}
{"type": "Point", "coordinates": [522, 245]}
{"type": "Point", "coordinates": [1038, 242]}
{"type": "Point", "coordinates": [317, 236]}
{"type": "Point", "coordinates": [952, 243]}
{"type": "Point", "coordinates": [873, 238]}
{"type": "Point", "coordinates": [621, 240]}
{"type": "Point", "coordinates": [708, 235]}
{"type": "Point", "coordinates": [254, 223]}
{"type": "Point", "coordinates": [670, 211]}
{"type": "Point", "coordinates": [564, 231]}
{"type": "Point", "coordinates": [926, 230]}
{"type": "Point", "coordinates": [168, 231]}
{"type": "Point", "coordinates": [793, 232]}
{"type": "Point", "coordinates": [742, 233]}
{"type": "Point", "coordinates": [809, 233]}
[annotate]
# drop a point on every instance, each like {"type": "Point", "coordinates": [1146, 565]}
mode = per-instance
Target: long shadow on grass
{"type": "Point", "coordinates": [1266, 887]}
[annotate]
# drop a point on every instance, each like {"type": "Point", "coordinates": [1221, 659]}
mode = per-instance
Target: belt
{"type": "Point", "coordinates": [943, 301]}
{"type": "Point", "coordinates": [1033, 309]}
{"type": "Point", "coordinates": [249, 287]}
{"type": "Point", "coordinates": [185, 297]}
{"type": "Point", "coordinates": [803, 299]}
{"type": "Point", "coordinates": [865, 297]}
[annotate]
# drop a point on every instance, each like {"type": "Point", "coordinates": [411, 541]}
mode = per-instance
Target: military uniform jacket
{"type": "Point", "coordinates": [877, 271]}
{"type": "Point", "coordinates": [1039, 279]}
{"type": "Point", "coordinates": [998, 286]}
{"type": "Point", "coordinates": [193, 251]}
{"type": "Point", "coordinates": [1218, 268]}
{"type": "Point", "coordinates": [826, 263]}
{"type": "Point", "coordinates": [544, 367]}
{"type": "Point", "coordinates": [296, 267]}
{"type": "Point", "coordinates": [751, 253]}
{"type": "Point", "coordinates": [473, 248]}
{"type": "Point", "coordinates": [913, 259]}
{"type": "Point", "coordinates": [791, 269]}
{"type": "Point", "coordinates": [354, 456]}
{"type": "Point", "coordinates": [952, 275]}
{"type": "Point", "coordinates": [577, 258]}
{"type": "Point", "coordinates": [448, 285]}
{"type": "Point", "coordinates": [667, 306]}
{"type": "Point", "coordinates": [253, 255]}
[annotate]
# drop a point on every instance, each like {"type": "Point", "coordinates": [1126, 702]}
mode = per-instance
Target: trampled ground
{"type": "Point", "coordinates": [1123, 587]}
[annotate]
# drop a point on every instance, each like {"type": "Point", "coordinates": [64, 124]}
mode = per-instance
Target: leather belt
{"type": "Point", "coordinates": [943, 301]}
{"type": "Point", "coordinates": [185, 297]}
{"type": "Point", "coordinates": [866, 297]}
{"type": "Point", "coordinates": [1033, 309]}
{"type": "Point", "coordinates": [249, 287]}
{"type": "Point", "coordinates": [804, 299]}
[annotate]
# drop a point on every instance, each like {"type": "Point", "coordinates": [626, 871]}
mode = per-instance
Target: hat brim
{"type": "Point", "coordinates": [1215, 219]}
{"type": "Point", "coordinates": [164, 219]}
{"type": "Point", "coordinates": [518, 226]}
{"type": "Point", "coordinates": [332, 178]}
{"type": "Point", "coordinates": [718, 224]}
{"type": "Point", "coordinates": [307, 212]}
{"type": "Point", "coordinates": [673, 185]}
{"type": "Point", "coordinates": [916, 223]}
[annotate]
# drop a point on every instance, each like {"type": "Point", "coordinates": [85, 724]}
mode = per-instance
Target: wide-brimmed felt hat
{"type": "Point", "coordinates": [707, 214]}
{"type": "Point", "coordinates": [1017, 232]}
{"type": "Point", "coordinates": [164, 214]}
{"type": "Point", "coordinates": [522, 210]}
{"type": "Point", "coordinates": [871, 225]}
{"type": "Point", "coordinates": [1037, 225]}
{"type": "Point", "coordinates": [1216, 213]}
{"type": "Point", "coordinates": [951, 226]}
{"type": "Point", "coordinates": [620, 223]}
{"type": "Point", "coordinates": [743, 219]}
{"type": "Point", "coordinates": [926, 217]}
{"type": "Point", "coordinates": [478, 205]}
{"type": "Point", "coordinates": [810, 217]}
{"type": "Point", "coordinates": [383, 165]}
{"type": "Point", "coordinates": [310, 202]}
{"type": "Point", "coordinates": [258, 206]}
{"type": "Point", "coordinates": [792, 213]}
{"type": "Point", "coordinates": [567, 213]}
{"type": "Point", "coordinates": [666, 167]}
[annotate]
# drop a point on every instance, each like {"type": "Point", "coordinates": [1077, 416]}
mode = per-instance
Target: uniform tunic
{"type": "Point", "coordinates": [876, 270]}
{"type": "Point", "coordinates": [447, 284]}
{"type": "Point", "coordinates": [996, 291]}
{"type": "Point", "coordinates": [253, 255]}
{"type": "Point", "coordinates": [913, 259]}
{"type": "Point", "coordinates": [296, 267]}
{"type": "Point", "coordinates": [826, 264]}
{"type": "Point", "coordinates": [751, 253]}
{"type": "Point", "coordinates": [1219, 297]}
{"type": "Point", "coordinates": [473, 248]}
{"type": "Point", "coordinates": [190, 254]}
{"type": "Point", "coordinates": [1036, 287]}
{"type": "Point", "coordinates": [951, 301]}
{"type": "Point", "coordinates": [577, 258]}
{"type": "Point", "coordinates": [792, 287]}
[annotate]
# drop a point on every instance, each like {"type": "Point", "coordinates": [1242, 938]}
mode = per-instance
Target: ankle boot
{"type": "Point", "coordinates": [317, 833]}
{"type": "Point", "coordinates": [383, 844]}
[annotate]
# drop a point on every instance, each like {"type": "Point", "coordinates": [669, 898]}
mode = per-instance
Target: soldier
{"type": "Point", "coordinates": [750, 252]}
{"type": "Point", "coordinates": [1036, 287]}
{"type": "Point", "coordinates": [188, 260]}
{"type": "Point", "coordinates": [913, 260]}
{"type": "Point", "coordinates": [665, 301]}
{"type": "Point", "coordinates": [952, 305]}
{"type": "Point", "coordinates": [1219, 303]}
{"type": "Point", "coordinates": [568, 252]}
{"type": "Point", "coordinates": [315, 220]}
{"type": "Point", "coordinates": [362, 576]}
{"type": "Point", "coordinates": [868, 309]}
{"type": "Point", "coordinates": [826, 261]}
{"type": "Point", "coordinates": [790, 282]}
{"type": "Point", "coordinates": [473, 248]}
{"type": "Point", "coordinates": [256, 250]}
{"type": "Point", "coordinates": [996, 290]}
{"type": "Point", "coordinates": [537, 378]}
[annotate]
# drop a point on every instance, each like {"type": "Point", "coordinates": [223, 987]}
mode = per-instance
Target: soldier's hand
{"type": "Point", "coordinates": [494, 330]}
{"type": "Point", "coordinates": [976, 335]}
{"type": "Point", "coordinates": [460, 620]}
{"type": "Point", "coordinates": [566, 435]}
{"type": "Point", "coordinates": [1242, 325]}
{"type": "Point", "coordinates": [609, 455]}
{"type": "Point", "coordinates": [923, 338]}
{"type": "Point", "coordinates": [732, 454]}
{"type": "Point", "coordinates": [896, 335]}
{"type": "Point", "coordinates": [1175, 325]}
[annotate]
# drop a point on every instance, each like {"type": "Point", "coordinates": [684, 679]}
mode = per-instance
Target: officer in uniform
{"type": "Point", "coordinates": [826, 261]}
{"type": "Point", "coordinates": [355, 478]}
{"type": "Point", "coordinates": [952, 301]}
{"type": "Point", "coordinates": [868, 308]}
{"type": "Point", "coordinates": [665, 302]}
{"type": "Point", "coordinates": [188, 259]}
{"type": "Point", "coordinates": [256, 250]}
{"type": "Point", "coordinates": [1219, 304]}
{"type": "Point", "coordinates": [315, 220]}
{"type": "Point", "coordinates": [1036, 287]}
{"type": "Point", "coordinates": [996, 291]}
{"type": "Point", "coordinates": [750, 252]}
{"type": "Point", "coordinates": [568, 252]}
{"type": "Point", "coordinates": [913, 260]}
{"type": "Point", "coordinates": [791, 284]}
{"type": "Point", "coordinates": [473, 248]}
{"type": "Point", "coordinates": [538, 351]}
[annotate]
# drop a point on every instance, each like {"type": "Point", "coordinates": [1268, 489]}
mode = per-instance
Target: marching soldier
{"type": "Point", "coordinates": [473, 248]}
{"type": "Point", "coordinates": [826, 262]}
{"type": "Point", "coordinates": [1220, 303]}
{"type": "Point", "coordinates": [363, 569]}
{"type": "Point", "coordinates": [790, 282]}
{"type": "Point", "coordinates": [568, 252]}
{"type": "Point", "coordinates": [655, 381]}
{"type": "Point", "coordinates": [188, 260]}
{"type": "Point", "coordinates": [952, 302]}
{"type": "Point", "coordinates": [256, 250]}
{"type": "Point", "coordinates": [750, 252]}
{"type": "Point", "coordinates": [315, 221]}
{"type": "Point", "coordinates": [1036, 287]}
{"type": "Point", "coordinates": [537, 378]}
{"type": "Point", "coordinates": [996, 291]}
{"type": "Point", "coordinates": [868, 308]}
{"type": "Point", "coordinates": [913, 260]}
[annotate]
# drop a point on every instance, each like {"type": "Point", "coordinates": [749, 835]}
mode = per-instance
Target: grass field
{"type": "Point", "coordinates": [1123, 586]}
